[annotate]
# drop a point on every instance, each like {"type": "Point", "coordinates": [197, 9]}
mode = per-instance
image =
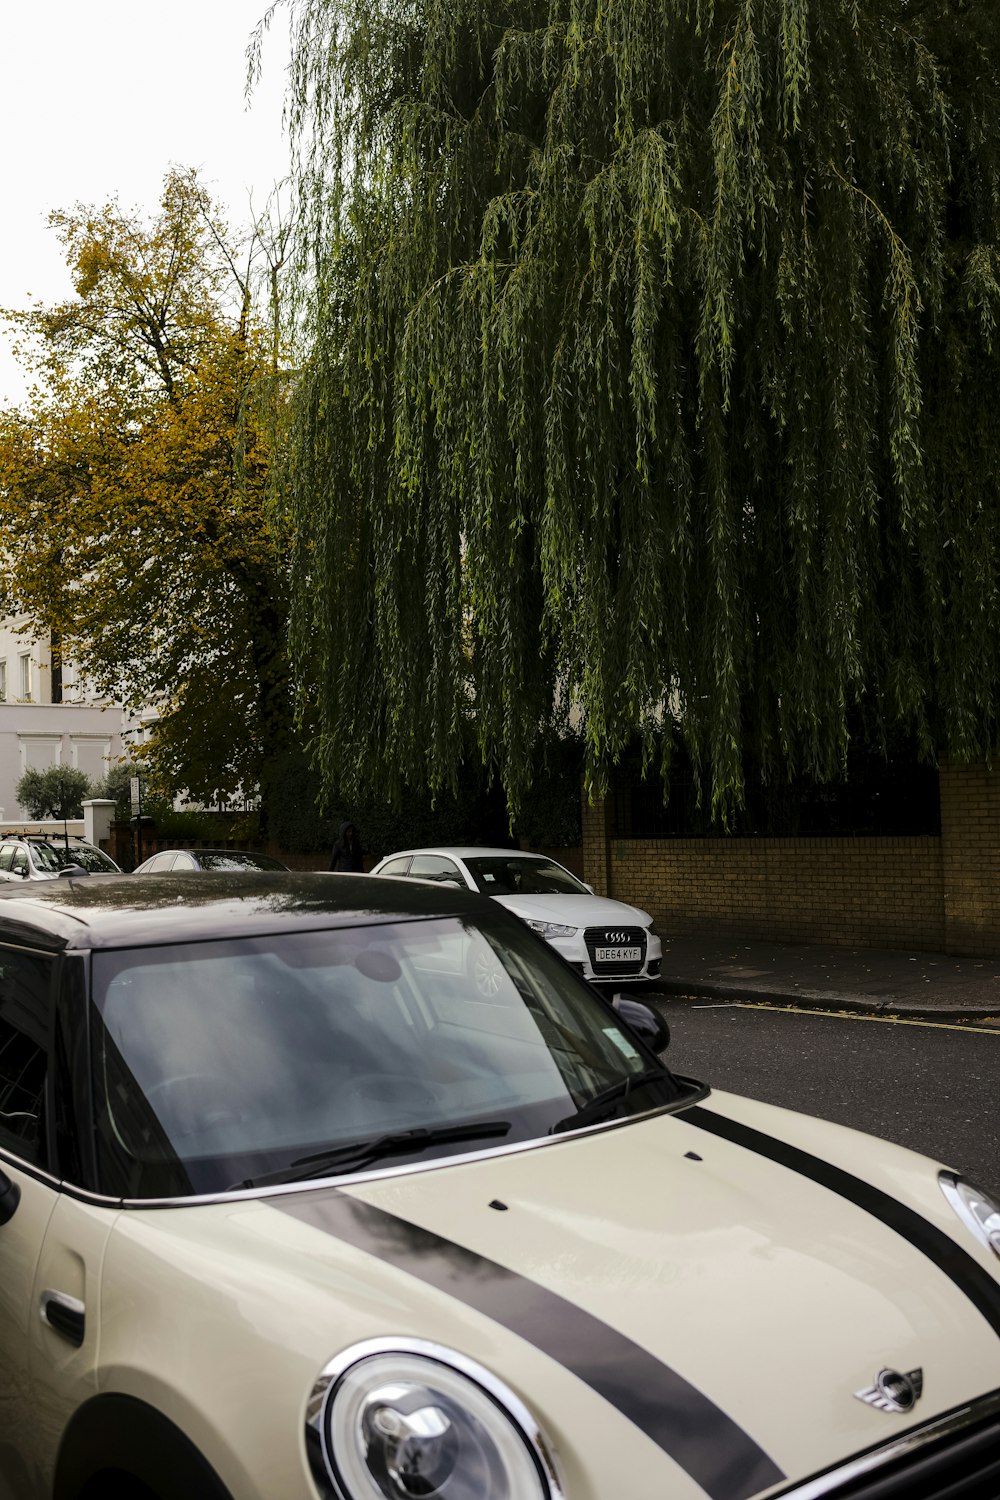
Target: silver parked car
{"type": "Point", "coordinates": [179, 860]}
{"type": "Point", "coordinates": [25, 856]}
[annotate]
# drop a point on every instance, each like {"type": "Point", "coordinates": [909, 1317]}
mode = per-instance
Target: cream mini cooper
{"type": "Point", "coordinates": [290, 1209]}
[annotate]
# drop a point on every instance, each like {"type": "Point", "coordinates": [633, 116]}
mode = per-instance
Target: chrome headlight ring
{"type": "Point", "coordinates": [394, 1417]}
{"type": "Point", "coordinates": [977, 1210]}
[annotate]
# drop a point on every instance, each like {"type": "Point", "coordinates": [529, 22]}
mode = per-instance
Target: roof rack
{"type": "Point", "coordinates": [56, 836]}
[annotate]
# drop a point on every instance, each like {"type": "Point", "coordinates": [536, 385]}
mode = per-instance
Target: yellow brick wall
{"type": "Point", "coordinates": [970, 835]}
{"type": "Point", "coordinates": [595, 829]}
{"type": "Point", "coordinates": [876, 892]}
{"type": "Point", "coordinates": [931, 893]}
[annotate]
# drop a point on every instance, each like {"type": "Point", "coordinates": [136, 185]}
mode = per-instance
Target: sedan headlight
{"type": "Point", "coordinates": [550, 929]}
{"type": "Point", "coordinates": [976, 1209]}
{"type": "Point", "coordinates": [398, 1419]}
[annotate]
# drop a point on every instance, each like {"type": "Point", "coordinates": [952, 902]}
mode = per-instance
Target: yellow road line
{"type": "Point", "coordinates": [852, 1015]}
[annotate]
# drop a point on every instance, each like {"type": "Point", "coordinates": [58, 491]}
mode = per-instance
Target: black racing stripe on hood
{"type": "Point", "coordinates": [706, 1443]}
{"type": "Point", "coordinates": [966, 1273]}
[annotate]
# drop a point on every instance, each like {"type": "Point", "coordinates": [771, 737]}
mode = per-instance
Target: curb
{"type": "Point", "coordinates": [823, 1000]}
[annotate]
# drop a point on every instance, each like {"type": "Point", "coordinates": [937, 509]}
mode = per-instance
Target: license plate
{"type": "Point", "coordinates": [617, 955]}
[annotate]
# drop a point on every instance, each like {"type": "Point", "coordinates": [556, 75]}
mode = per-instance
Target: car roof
{"type": "Point", "coordinates": [112, 911]}
{"type": "Point", "coordinates": [201, 849]}
{"type": "Point", "coordinates": [464, 851]}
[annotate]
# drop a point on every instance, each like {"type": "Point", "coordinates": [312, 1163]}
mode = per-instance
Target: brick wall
{"type": "Point", "coordinates": [595, 832]}
{"type": "Point", "coordinates": [970, 836]}
{"type": "Point", "coordinates": [873, 892]}
{"type": "Point", "coordinates": [938, 894]}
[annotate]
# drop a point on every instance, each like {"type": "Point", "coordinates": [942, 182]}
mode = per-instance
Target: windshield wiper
{"type": "Point", "coordinates": [602, 1105]}
{"type": "Point", "coordinates": [361, 1153]}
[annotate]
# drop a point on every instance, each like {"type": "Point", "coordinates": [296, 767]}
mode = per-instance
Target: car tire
{"type": "Point", "coordinates": [119, 1448]}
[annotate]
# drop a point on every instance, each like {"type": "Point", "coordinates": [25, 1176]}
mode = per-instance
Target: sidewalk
{"type": "Point", "coordinates": [870, 980]}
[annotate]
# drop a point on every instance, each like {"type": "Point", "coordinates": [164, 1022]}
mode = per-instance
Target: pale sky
{"type": "Point", "coordinates": [99, 97]}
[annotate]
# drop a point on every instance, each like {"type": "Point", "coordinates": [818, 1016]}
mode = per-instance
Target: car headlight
{"type": "Point", "coordinates": [550, 929]}
{"type": "Point", "coordinates": [400, 1419]}
{"type": "Point", "coordinates": [976, 1209]}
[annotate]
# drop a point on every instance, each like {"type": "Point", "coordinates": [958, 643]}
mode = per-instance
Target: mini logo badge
{"type": "Point", "coordinates": [893, 1391]}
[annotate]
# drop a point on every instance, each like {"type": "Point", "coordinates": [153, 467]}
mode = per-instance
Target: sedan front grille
{"type": "Point", "coordinates": [953, 1458]}
{"type": "Point", "coordinates": [607, 947]}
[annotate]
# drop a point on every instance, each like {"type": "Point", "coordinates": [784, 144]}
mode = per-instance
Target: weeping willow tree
{"type": "Point", "coordinates": [653, 382]}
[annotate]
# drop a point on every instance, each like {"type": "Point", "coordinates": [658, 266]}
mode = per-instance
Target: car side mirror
{"type": "Point", "coordinates": [650, 1027]}
{"type": "Point", "coordinates": [10, 1197]}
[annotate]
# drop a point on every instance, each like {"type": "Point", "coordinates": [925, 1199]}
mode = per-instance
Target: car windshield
{"type": "Point", "coordinates": [55, 857]}
{"type": "Point", "coordinates": [513, 874]}
{"type": "Point", "coordinates": [236, 859]}
{"type": "Point", "coordinates": [219, 1063]}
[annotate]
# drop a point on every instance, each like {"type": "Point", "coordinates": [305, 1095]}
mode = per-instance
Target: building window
{"type": "Point", "coordinates": [24, 663]}
{"type": "Point", "coordinates": [3, 680]}
{"type": "Point", "coordinates": [39, 752]}
{"type": "Point", "coordinates": [91, 754]}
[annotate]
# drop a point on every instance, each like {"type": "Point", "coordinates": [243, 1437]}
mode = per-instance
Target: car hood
{"type": "Point", "coordinates": [576, 911]}
{"type": "Point", "coordinates": [711, 1288]}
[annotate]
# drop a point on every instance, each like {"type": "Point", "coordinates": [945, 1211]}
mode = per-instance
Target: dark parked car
{"type": "Point", "coordinates": [178, 860]}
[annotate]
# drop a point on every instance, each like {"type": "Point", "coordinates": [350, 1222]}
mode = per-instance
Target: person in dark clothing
{"type": "Point", "coordinates": [347, 851]}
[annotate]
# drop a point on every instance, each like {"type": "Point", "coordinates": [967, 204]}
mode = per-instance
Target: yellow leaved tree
{"type": "Point", "coordinates": [136, 523]}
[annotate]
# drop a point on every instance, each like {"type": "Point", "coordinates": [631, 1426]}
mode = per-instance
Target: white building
{"type": "Point", "coordinates": [49, 718]}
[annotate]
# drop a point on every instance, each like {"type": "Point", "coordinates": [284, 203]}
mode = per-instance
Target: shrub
{"type": "Point", "coordinates": [56, 792]}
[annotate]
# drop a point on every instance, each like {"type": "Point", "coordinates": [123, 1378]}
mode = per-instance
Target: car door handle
{"type": "Point", "coordinates": [65, 1314]}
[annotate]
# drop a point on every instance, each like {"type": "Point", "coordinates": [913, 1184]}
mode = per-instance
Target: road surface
{"type": "Point", "coordinates": [932, 1086]}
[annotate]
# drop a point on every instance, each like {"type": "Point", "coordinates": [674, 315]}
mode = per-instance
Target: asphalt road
{"type": "Point", "coordinates": [932, 1087]}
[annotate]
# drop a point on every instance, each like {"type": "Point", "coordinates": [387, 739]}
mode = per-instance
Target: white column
{"type": "Point", "coordinates": [97, 815]}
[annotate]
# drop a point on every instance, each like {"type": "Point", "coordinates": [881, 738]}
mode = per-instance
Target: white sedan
{"type": "Point", "coordinates": [608, 942]}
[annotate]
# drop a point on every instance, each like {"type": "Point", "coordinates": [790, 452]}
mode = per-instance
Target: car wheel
{"type": "Point", "coordinates": [485, 970]}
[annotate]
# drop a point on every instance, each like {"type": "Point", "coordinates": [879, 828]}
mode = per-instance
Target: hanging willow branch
{"type": "Point", "coordinates": [652, 382]}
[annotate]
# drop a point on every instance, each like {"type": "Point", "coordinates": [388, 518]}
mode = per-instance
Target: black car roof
{"type": "Point", "coordinates": [112, 911]}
